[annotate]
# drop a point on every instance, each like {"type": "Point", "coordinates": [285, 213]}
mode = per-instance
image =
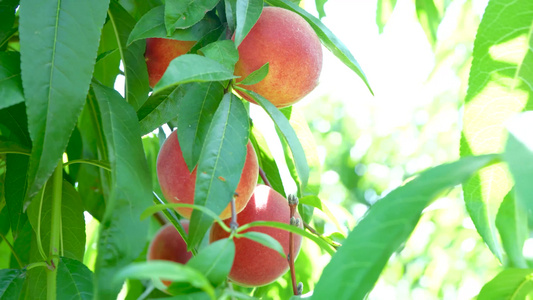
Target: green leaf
{"type": "Point", "coordinates": [288, 134]}
{"type": "Point", "coordinates": [263, 239]}
{"type": "Point", "coordinates": [107, 64]}
{"type": "Point", "coordinates": [165, 105]}
{"type": "Point", "coordinates": [74, 280]}
{"type": "Point", "coordinates": [15, 190]}
{"type": "Point", "coordinates": [305, 136]}
{"type": "Point", "coordinates": [10, 82]}
{"type": "Point", "coordinates": [184, 14]}
{"type": "Point", "coordinates": [220, 164]}
{"type": "Point", "coordinates": [499, 86]}
{"type": "Point", "coordinates": [355, 268]}
{"type": "Point", "coordinates": [256, 76]}
{"type": "Point", "coordinates": [383, 13]}
{"type": "Point", "coordinates": [72, 220]}
{"type": "Point", "coordinates": [194, 115]}
{"type": "Point", "coordinates": [122, 234]}
{"type": "Point", "coordinates": [321, 243]}
{"type": "Point", "coordinates": [152, 25]}
{"type": "Point", "coordinates": [320, 8]}
{"type": "Point", "coordinates": [58, 44]}
{"type": "Point", "coordinates": [11, 282]}
{"type": "Point", "coordinates": [518, 155]}
{"type": "Point", "coordinates": [223, 52]}
{"type": "Point", "coordinates": [93, 182]}
{"type": "Point", "coordinates": [267, 161]}
{"type": "Point", "coordinates": [192, 67]}
{"type": "Point", "coordinates": [511, 222]}
{"type": "Point", "coordinates": [328, 39]}
{"type": "Point", "coordinates": [166, 270]}
{"type": "Point", "coordinates": [215, 261]}
{"type": "Point", "coordinates": [248, 12]}
{"type": "Point", "coordinates": [231, 14]}
{"type": "Point", "coordinates": [429, 18]}
{"type": "Point", "coordinates": [510, 284]}
{"type": "Point", "coordinates": [137, 88]}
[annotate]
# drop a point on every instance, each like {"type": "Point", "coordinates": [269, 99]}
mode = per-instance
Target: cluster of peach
{"type": "Point", "coordinates": [290, 46]}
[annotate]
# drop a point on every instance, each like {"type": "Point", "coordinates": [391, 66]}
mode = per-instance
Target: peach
{"type": "Point", "coordinates": [294, 53]}
{"type": "Point", "coordinates": [178, 184]}
{"type": "Point", "coordinates": [160, 52]}
{"type": "Point", "coordinates": [169, 245]}
{"type": "Point", "coordinates": [255, 264]}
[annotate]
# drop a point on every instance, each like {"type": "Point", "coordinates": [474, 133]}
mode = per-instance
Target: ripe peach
{"type": "Point", "coordinates": [290, 46]}
{"type": "Point", "coordinates": [168, 245]}
{"type": "Point", "coordinates": [178, 184]}
{"type": "Point", "coordinates": [255, 264]}
{"type": "Point", "coordinates": [160, 52]}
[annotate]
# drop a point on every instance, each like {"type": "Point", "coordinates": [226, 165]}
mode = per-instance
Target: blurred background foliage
{"type": "Point", "coordinates": [369, 145]}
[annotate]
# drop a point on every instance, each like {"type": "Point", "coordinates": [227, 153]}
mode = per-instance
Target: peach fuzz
{"type": "Point", "coordinates": [160, 52]}
{"type": "Point", "coordinates": [294, 53]}
{"type": "Point", "coordinates": [255, 264]}
{"type": "Point", "coordinates": [178, 184]}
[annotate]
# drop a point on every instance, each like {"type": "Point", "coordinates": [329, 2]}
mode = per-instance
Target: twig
{"type": "Point", "coordinates": [264, 177]}
{"type": "Point", "coordinates": [233, 224]}
{"type": "Point", "coordinates": [293, 202]}
{"type": "Point", "coordinates": [313, 231]}
{"type": "Point", "coordinates": [160, 217]}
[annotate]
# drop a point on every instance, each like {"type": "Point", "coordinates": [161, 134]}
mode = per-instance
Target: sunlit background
{"type": "Point", "coordinates": [370, 144]}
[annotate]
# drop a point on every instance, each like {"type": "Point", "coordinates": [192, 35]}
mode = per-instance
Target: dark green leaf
{"type": "Point", "coordinates": [263, 239]}
{"type": "Point", "coordinates": [215, 261]}
{"type": "Point", "coordinates": [15, 190]}
{"type": "Point", "coordinates": [383, 13]}
{"type": "Point", "coordinates": [74, 280]}
{"type": "Point", "coordinates": [165, 270]}
{"type": "Point", "coordinates": [512, 284]}
{"type": "Point", "coordinates": [288, 134]}
{"type": "Point", "coordinates": [138, 8]}
{"type": "Point", "coordinates": [11, 282]}
{"type": "Point", "coordinates": [195, 114]}
{"type": "Point", "coordinates": [223, 52]}
{"type": "Point", "coordinates": [14, 120]}
{"type": "Point", "coordinates": [267, 161]}
{"type": "Point", "coordinates": [164, 106]}
{"type": "Point", "coordinates": [191, 67]}
{"type": "Point", "coordinates": [328, 39]}
{"type": "Point", "coordinates": [122, 234]}
{"type": "Point", "coordinates": [10, 82]}
{"type": "Point", "coordinates": [184, 14]}
{"type": "Point", "coordinates": [223, 156]}
{"type": "Point", "coordinates": [429, 19]}
{"type": "Point", "coordinates": [22, 245]}
{"type": "Point", "coordinates": [256, 76]}
{"type": "Point", "coordinates": [137, 88]}
{"type": "Point", "coordinates": [216, 34]}
{"type": "Point", "coordinates": [248, 12]}
{"type": "Point", "coordinates": [152, 25]}
{"type": "Point", "coordinates": [7, 17]}
{"type": "Point", "coordinates": [499, 86]}
{"type": "Point", "coordinates": [107, 64]}
{"type": "Point", "coordinates": [511, 222]}
{"type": "Point", "coordinates": [93, 182]}
{"type": "Point", "coordinates": [58, 44]}
{"type": "Point", "coordinates": [72, 220]}
{"type": "Point", "coordinates": [355, 268]}
{"type": "Point", "coordinates": [13, 147]}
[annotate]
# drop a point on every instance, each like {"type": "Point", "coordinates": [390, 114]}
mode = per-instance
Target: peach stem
{"type": "Point", "coordinates": [291, 252]}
